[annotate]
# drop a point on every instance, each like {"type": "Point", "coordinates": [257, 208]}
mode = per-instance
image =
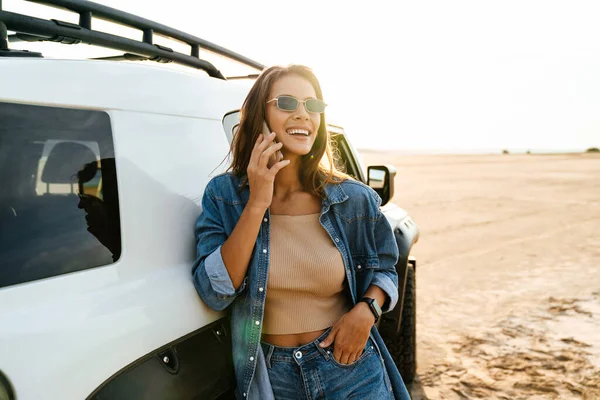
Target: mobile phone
{"type": "Point", "coordinates": [278, 156]}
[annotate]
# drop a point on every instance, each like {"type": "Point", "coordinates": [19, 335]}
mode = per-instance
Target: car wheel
{"type": "Point", "coordinates": [401, 341]}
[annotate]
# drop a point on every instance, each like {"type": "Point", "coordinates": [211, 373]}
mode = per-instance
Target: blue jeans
{"type": "Point", "coordinates": [310, 372]}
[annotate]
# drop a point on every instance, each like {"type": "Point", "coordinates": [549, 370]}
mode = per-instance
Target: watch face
{"type": "Point", "coordinates": [376, 307]}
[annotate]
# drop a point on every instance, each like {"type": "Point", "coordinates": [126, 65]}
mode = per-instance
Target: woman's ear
{"type": "Point", "coordinates": [266, 119]}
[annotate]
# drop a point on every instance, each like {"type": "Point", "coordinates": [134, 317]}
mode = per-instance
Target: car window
{"type": "Point", "coordinates": [346, 161]}
{"type": "Point", "coordinates": [59, 208]}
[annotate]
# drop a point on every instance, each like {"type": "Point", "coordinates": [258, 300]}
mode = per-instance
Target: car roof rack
{"type": "Point", "coordinates": [33, 29]}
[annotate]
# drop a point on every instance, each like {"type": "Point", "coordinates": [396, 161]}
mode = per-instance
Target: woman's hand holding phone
{"type": "Point", "coordinates": [264, 164]}
{"type": "Point", "coordinates": [277, 156]}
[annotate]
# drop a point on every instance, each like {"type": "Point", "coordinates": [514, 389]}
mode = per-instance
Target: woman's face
{"type": "Point", "coordinates": [283, 123]}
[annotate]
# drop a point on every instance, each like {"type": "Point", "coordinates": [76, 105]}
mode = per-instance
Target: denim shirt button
{"type": "Point", "coordinates": [257, 322]}
{"type": "Point", "coordinates": [265, 220]}
{"type": "Point", "coordinates": [359, 267]}
{"type": "Point", "coordinates": [264, 250]}
{"type": "Point", "coordinates": [261, 289]}
{"type": "Point", "coordinates": [337, 240]}
{"type": "Point", "coordinates": [251, 358]}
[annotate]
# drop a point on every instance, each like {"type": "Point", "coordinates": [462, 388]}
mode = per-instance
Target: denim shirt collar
{"type": "Point", "coordinates": [334, 194]}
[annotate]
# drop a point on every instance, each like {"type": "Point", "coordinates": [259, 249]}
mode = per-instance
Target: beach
{"type": "Point", "coordinates": [508, 275]}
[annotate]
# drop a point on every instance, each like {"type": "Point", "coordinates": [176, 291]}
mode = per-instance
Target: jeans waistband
{"type": "Point", "coordinates": [299, 354]}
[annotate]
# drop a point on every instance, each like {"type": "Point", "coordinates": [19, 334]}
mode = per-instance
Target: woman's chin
{"type": "Point", "coordinates": [297, 151]}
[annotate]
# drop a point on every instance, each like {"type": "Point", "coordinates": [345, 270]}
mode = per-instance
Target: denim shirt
{"type": "Point", "coordinates": [351, 216]}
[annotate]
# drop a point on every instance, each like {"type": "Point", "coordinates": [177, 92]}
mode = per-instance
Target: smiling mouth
{"type": "Point", "coordinates": [301, 132]}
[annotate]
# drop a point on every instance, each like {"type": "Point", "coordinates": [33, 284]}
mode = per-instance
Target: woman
{"type": "Point", "coordinates": [299, 252]}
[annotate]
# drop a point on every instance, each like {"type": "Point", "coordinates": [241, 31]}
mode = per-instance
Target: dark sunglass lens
{"type": "Point", "coordinates": [287, 103]}
{"type": "Point", "coordinates": [315, 105]}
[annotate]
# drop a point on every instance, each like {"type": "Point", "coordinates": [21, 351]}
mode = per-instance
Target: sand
{"type": "Point", "coordinates": [508, 276]}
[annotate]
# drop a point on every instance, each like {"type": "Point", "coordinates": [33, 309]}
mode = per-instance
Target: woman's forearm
{"type": "Point", "coordinates": [237, 249]}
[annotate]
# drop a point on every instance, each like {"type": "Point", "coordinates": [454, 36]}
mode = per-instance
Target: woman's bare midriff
{"type": "Point", "coordinates": [292, 340]}
{"type": "Point", "coordinates": [302, 203]}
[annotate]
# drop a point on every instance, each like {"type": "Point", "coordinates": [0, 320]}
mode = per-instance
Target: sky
{"type": "Point", "coordinates": [455, 76]}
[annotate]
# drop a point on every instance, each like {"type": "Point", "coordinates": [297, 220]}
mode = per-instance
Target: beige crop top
{"type": "Point", "coordinates": [305, 289]}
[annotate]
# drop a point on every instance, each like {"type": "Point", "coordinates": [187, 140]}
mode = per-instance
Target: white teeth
{"type": "Point", "coordinates": [298, 132]}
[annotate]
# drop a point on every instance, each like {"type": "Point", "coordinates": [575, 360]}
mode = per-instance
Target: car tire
{"type": "Point", "coordinates": [401, 341]}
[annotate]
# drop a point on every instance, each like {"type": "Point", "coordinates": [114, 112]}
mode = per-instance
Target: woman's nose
{"type": "Point", "coordinates": [301, 113]}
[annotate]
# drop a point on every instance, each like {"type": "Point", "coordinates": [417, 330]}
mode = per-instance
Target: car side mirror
{"type": "Point", "coordinates": [381, 179]}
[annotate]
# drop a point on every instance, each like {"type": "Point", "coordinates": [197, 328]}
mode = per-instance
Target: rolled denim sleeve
{"type": "Point", "coordinates": [385, 276]}
{"type": "Point", "coordinates": [210, 275]}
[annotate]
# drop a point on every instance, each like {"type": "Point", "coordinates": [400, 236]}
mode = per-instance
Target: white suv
{"type": "Point", "coordinates": [102, 169]}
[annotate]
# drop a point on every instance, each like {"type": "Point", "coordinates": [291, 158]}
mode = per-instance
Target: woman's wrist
{"type": "Point", "coordinates": [254, 208]}
{"type": "Point", "coordinates": [365, 311]}
{"type": "Point", "coordinates": [375, 292]}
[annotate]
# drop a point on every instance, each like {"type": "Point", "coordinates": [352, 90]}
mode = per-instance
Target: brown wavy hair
{"type": "Point", "coordinates": [314, 173]}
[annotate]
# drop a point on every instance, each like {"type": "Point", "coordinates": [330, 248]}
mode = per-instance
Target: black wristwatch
{"type": "Point", "coordinates": [375, 309]}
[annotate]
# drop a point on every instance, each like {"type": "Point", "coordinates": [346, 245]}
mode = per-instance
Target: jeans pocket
{"type": "Point", "coordinates": [368, 350]}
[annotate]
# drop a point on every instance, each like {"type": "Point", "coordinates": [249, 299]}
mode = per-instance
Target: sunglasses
{"type": "Point", "coordinates": [289, 103]}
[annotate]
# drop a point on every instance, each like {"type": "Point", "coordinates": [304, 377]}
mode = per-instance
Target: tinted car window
{"type": "Point", "coordinates": [59, 208]}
